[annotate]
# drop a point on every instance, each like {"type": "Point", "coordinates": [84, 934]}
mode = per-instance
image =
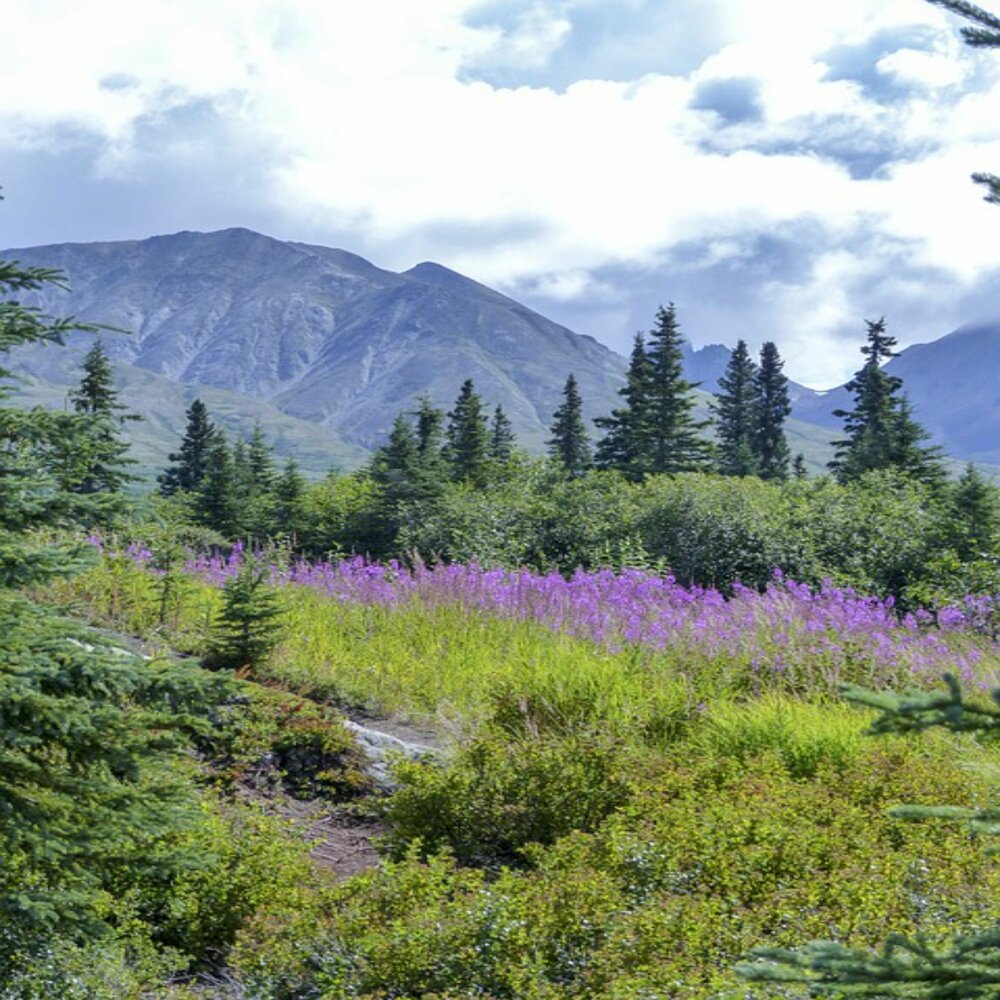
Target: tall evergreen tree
{"type": "Point", "coordinates": [96, 394]}
{"type": "Point", "coordinates": [395, 464]}
{"type": "Point", "coordinates": [85, 742]}
{"type": "Point", "coordinates": [218, 500]}
{"type": "Point", "coordinates": [569, 443]}
{"type": "Point", "coordinates": [260, 463]}
{"type": "Point", "coordinates": [973, 528]}
{"type": "Point", "coordinates": [911, 455]}
{"type": "Point", "coordinates": [879, 431]}
{"type": "Point", "coordinates": [671, 437]}
{"type": "Point", "coordinates": [624, 429]}
{"type": "Point", "coordinates": [736, 408]}
{"type": "Point", "coordinates": [429, 428]}
{"type": "Point", "coordinates": [772, 409]}
{"type": "Point", "coordinates": [242, 483]}
{"type": "Point", "coordinates": [799, 470]}
{"type": "Point", "coordinates": [432, 461]}
{"type": "Point", "coordinates": [468, 437]}
{"type": "Point", "coordinates": [190, 462]}
{"type": "Point", "coordinates": [288, 492]}
{"type": "Point", "coordinates": [97, 461]}
{"type": "Point", "coordinates": [502, 439]}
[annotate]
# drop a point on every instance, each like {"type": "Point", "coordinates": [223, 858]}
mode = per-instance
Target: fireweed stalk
{"type": "Point", "coordinates": [790, 632]}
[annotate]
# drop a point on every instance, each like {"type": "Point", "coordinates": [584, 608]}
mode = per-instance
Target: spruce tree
{"type": "Point", "coordinates": [799, 470]}
{"type": "Point", "coordinates": [430, 430]}
{"type": "Point", "coordinates": [879, 431]}
{"type": "Point", "coordinates": [190, 462]}
{"type": "Point", "coordinates": [87, 737]}
{"type": "Point", "coordinates": [736, 410]}
{"type": "Point", "coordinates": [256, 476]}
{"type": "Point", "coordinates": [395, 465]}
{"type": "Point", "coordinates": [288, 492]}
{"type": "Point", "coordinates": [260, 463]}
{"type": "Point", "coordinates": [218, 499]}
{"type": "Point", "coordinates": [468, 437]}
{"type": "Point", "coordinates": [502, 439]}
{"type": "Point", "coordinates": [910, 454]}
{"type": "Point", "coordinates": [249, 623]}
{"type": "Point", "coordinates": [772, 409]}
{"type": "Point", "coordinates": [973, 527]}
{"type": "Point", "coordinates": [242, 483]}
{"type": "Point", "coordinates": [569, 444]}
{"type": "Point", "coordinates": [96, 393]}
{"type": "Point", "coordinates": [432, 463]}
{"type": "Point", "coordinates": [671, 437]}
{"type": "Point", "coordinates": [622, 446]}
{"type": "Point", "coordinates": [90, 456]}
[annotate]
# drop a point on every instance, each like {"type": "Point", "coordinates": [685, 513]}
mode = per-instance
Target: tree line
{"type": "Point", "coordinates": [235, 487]}
{"type": "Point", "coordinates": [655, 430]}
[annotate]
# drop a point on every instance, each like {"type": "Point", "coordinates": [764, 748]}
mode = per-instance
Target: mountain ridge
{"type": "Point", "coordinates": [323, 334]}
{"type": "Point", "coordinates": [331, 340]}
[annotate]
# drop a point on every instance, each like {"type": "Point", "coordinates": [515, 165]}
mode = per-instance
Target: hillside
{"type": "Point", "coordinates": [320, 334]}
{"type": "Point", "coordinates": [318, 344]}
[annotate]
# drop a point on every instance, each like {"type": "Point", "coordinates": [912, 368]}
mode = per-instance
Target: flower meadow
{"type": "Point", "coordinates": [392, 634]}
{"type": "Point", "coordinates": [640, 781]}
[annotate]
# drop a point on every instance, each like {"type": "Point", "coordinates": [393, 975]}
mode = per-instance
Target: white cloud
{"type": "Point", "coordinates": [376, 132]}
{"type": "Point", "coordinates": [928, 69]}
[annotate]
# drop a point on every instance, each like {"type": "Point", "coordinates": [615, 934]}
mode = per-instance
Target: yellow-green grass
{"type": "Point", "coordinates": [457, 663]}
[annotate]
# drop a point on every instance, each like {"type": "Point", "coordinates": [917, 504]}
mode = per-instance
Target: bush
{"type": "Point", "coordinates": [708, 856]}
{"type": "Point", "coordinates": [497, 795]}
{"type": "Point", "coordinates": [266, 734]}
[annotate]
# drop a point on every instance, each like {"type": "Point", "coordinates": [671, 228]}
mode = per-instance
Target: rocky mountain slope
{"type": "Point", "coordinates": [319, 345]}
{"type": "Point", "coordinates": [320, 334]}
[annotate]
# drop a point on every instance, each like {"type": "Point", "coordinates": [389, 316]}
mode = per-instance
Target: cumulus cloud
{"type": "Point", "coordinates": [772, 166]}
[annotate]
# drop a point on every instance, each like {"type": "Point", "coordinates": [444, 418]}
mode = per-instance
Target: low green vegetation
{"type": "Point", "coordinates": [607, 822]}
{"type": "Point", "coordinates": [647, 782]}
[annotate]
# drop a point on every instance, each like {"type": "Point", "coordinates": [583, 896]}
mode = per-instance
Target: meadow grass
{"type": "Point", "coordinates": [418, 655]}
{"type": "Point", "coordinates": [620, 817]}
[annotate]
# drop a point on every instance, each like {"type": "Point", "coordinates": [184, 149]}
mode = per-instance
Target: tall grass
{"type": "Point", "coordinates": [463, 646]}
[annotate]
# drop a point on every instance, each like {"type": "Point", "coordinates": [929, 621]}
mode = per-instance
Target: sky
{"type": "Point", "coordinates": [780, 170]}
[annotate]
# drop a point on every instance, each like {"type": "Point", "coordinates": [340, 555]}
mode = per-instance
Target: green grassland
{"type": "Point", "coordinates": [603, 824]}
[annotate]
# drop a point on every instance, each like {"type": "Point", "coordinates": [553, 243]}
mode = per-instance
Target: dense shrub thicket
{"type": "Point", "coordinates": [884, 533]}
{"type": "Point", "coordinates": [671, 876]}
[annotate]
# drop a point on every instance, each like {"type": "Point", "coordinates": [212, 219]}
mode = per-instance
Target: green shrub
{"type": "Point", "coordinates": [497, 795]}
{"type": "Point", "coordinates": [710, 855]}
{"type": "Point", "coordinates": [265, 733]}
{"type": "Point", "coordinates": [247, 859]}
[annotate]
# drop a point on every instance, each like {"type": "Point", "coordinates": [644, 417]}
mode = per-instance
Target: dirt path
{"type": "Point", "coordinates": [342, 840]}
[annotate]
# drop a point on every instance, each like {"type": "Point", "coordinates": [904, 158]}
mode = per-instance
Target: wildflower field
{"type": "Point", "coordinates": [643, 781]}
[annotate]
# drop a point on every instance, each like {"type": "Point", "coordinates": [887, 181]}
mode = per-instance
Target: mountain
{"type": "Point", "coordinates": [320, 334]}
{"type": "Point", "coordinates": [318, 344]}
{"type": "Point", "coordinates": [954, 387]}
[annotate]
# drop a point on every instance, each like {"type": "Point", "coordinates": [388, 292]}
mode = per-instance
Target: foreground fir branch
{"type": "Point", "coordinates": [907, 966]}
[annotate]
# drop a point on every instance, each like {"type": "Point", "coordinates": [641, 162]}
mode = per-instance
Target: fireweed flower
{"type": "Point", "coordinates": [831, 631]}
